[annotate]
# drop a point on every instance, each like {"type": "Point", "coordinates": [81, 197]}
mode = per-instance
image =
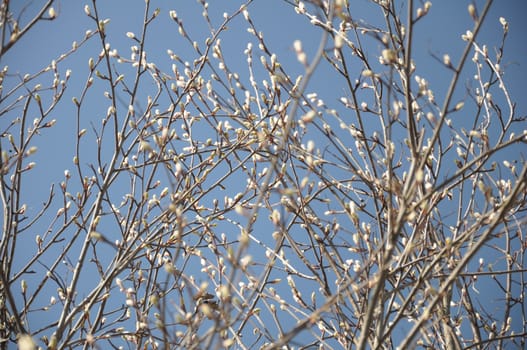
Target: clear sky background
{"type": "Point", "coordinates": [438, 34]}
{"type": "Point", "coordinates": [441, 33]}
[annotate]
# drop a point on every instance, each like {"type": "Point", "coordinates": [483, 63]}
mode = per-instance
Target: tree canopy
{"type": "Point", "coordinates": [178, 178]}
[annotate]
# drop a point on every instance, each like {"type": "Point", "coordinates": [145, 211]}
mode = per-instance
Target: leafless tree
{"type": "Point", "coordinates": [206, 208]}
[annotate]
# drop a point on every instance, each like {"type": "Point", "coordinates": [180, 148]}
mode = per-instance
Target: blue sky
{"type": "Point", "coordinates": [438, 34]}
{"type": "Point", "coordinates": [441, 33]}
